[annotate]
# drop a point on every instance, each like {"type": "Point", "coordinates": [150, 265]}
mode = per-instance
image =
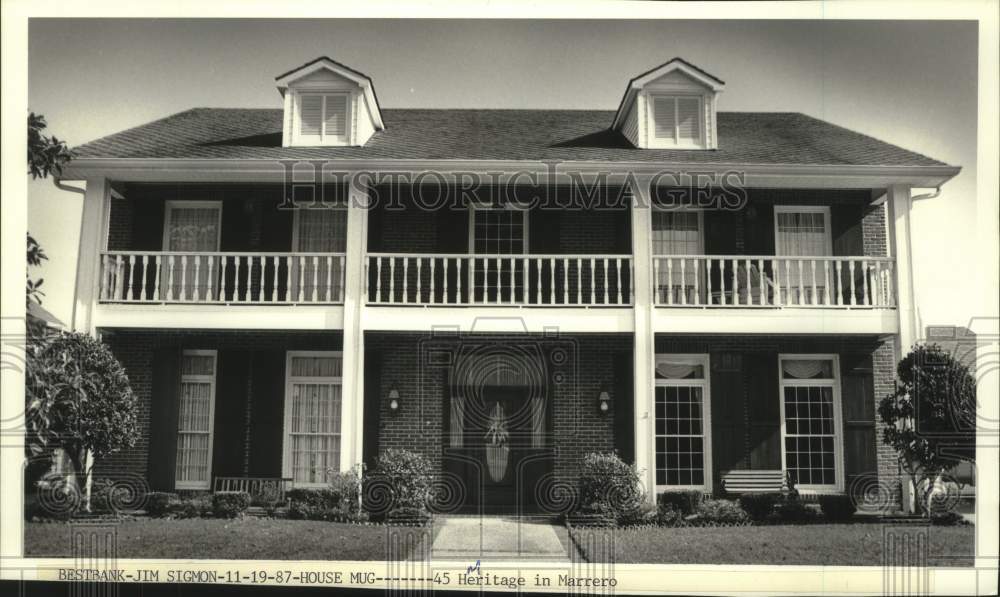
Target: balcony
{"type": "Point", "coordinates": [465, 280]}
{"type": "Point", "coordinates": [759, 281]}
{"type": "Point", "coordinates": [201, 278]}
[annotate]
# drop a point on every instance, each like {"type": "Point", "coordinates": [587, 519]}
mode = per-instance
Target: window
{"type": "Point", "coordinates": [321, 231]}
{"type": "Point", "coordinates": [189, 227]}
{"type": "Point", "coordinates": [682, 441]}
{"type": "Point", "coordinates": [677, 120]}
{"type": "Point", "coordinates": [802, 232]}
{"type": "Point", "coordinates": [677, 231]}
{"type": "Point", "coordinates": [195, 419]}
{"type": "Point", "coordinates": [810, 420]}
{"type": "Point", "coordinates": [323, 117]}
{"type": "Point", "coordinates": [498, 231]}
{"type": "Point", "coordinates": [312, 416]}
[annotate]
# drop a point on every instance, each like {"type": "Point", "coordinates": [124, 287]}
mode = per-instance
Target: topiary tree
{"type": "Point", "coordinates": [78, 399]}
{"type": "Point", "coordinates": [928, 419]}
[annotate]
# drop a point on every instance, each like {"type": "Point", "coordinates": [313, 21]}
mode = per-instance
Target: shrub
{"type": "Point", "coordinates": [949, 518]}
{"type": "Point", "coordinates": [793, 510]}
{"type": "Point", "coordinates": [759, 506]}
{"type": "Point", "coordinates": [837, 507]}
{"type": "Point", "coordinates": [407, 478]}
{"type": "Point", "coordinates": [721, 511]}
{"type": "Point", "coordinates": [230, 504]}
{"type": "Point", "coordinates": [643, 514]}
{"type": "Point", "coordinates": [347, 487]}
{"type": "Point", "coordinates": [683, 502]}
{"type": "Point", "coordinates": [191, 507]}
{"type": "Point", "coordinates": [607, 484]}
{"type": "Point", "coordinates": [311, 504]}
{"type": "Point", "coordinates": [667, 515]}
{"type": "Point", "coordinates": [593, 515]}
{"type": "Point", "coordinates": [158, 503]}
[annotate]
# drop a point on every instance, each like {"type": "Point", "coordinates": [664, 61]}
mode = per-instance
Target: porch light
{"type": "Point", "coordinates": [394, 401]}
{"type": "Point", "coordinates": [604, 402]}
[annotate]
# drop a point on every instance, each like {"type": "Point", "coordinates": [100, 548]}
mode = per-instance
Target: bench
{"type": "Point", "coordinates": [737, 482]}
{"type": "Point", "coordinates": [261, 489]}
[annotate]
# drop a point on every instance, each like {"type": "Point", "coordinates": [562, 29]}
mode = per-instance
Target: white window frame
{"type": "Point", "coordinates": [823, 209]}
{"type": "Point", "coordinates": [655, 142]}
{"type": "Point", "coordinates": [706, 408]}
{"type": "Point", "coordinates": [207, 484]}
{"type": "Point", "coordinates": [680, 208]}
{"type": "Point", "coordinates": [171, 205]}
{"type": "Point", "coordinates": [286, 432]}
{"type": "Point", "coordinates": [296, 222]}
{"type": "Point", "coordinates": [838, 430]}
{"type": "Point", "coordinates": [322, 138]}
{"type": "Point", "coordinates": [506, 207]}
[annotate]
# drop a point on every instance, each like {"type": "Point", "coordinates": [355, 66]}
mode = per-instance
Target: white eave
{"type": "Point", "coordinates": [324, 63]}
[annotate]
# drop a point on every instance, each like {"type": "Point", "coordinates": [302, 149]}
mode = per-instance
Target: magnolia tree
{"type": "Point", "coordinates": [78, 400]}
{"type": "Point", "coordinates": [929, 419]}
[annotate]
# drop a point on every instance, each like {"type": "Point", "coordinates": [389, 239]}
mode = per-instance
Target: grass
{"type": "Point", "coordinates": [242, 539]}
{"type": "Point", "coordinates": [857, 544]}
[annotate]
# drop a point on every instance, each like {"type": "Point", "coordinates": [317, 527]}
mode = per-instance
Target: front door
{"type": "Point", "coordinates": [500, 458]}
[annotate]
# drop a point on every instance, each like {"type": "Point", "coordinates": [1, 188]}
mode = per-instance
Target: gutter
{"type": "Point", "coordinates": [79, 247]}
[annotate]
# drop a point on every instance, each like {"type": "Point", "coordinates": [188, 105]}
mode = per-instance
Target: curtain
{"type": "Point", "coordinates": [802, 233]}
{"type": "Point", "coordinates": [670, 370]}
{"type": "Point", "coordinates": [807, 369]}
{"type": "Point", "coordinates": [191, 229]}
{"type": "Point", "coordinates": [314, 430]}
{"type": "Point", "coordinates": [319, 231]}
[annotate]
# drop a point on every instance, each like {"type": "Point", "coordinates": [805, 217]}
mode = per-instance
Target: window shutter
{"type": "Point", "coordinates": [663, 117]}
{"type": "Point", "coordinates": [311, 115]}
{"type": "Point", "coordinates": [164, 399]}
{"type": "Point", "coordinates": [335, 119]}
{"type": "Point", "coordinates": [688, 129]}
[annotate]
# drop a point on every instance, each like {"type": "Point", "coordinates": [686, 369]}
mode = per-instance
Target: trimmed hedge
{"type": "Point", "coordinates": [837, 507]}
{"type": "Point", "coordinates": [609, 486]}
{"type": "Point", "coordinates": [195, 506]}
{"type": "Point", "coordinates": [793, 510]}
{"type": "Point", "coordinates": [759, 506]}
{"type": "Point", "coordinates": [311, 504]}
{"type": "Point", "coordinates": [721, 511]}
{"type": "Point", "coordinates": [230, 504]}
{"type": "Point", "coordinates": [684, 502]}
{"type": "Point", "coordinates": [407, 477]}
{"type": "Point", "coordinates": [158, 503]}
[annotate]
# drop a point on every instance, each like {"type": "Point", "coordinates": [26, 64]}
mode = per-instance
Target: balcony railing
{"type": "Point", "coordinates": [744, 281]}
{"type": "Point", "coordinates": [512, 280]}
{"type": "Point", "coordinates": [217, 277]}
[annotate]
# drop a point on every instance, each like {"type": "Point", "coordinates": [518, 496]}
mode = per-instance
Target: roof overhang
{"type": "Point", "coordinates": [675, 174]}
{"type": "Point", "coordinates": [325, 63]}
{"type": "Point", "coordinates": [676, 64]}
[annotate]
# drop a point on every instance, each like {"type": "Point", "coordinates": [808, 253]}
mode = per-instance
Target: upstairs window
{"type": "Point", "coordinates": [677, 121]}
{"type": "Point", "coordinates": [323, 118]}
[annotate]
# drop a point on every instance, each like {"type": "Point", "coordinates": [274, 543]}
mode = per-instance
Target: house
{"type": "Point", "coordinates": [296, 290]}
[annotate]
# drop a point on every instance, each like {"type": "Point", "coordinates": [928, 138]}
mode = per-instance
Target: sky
{"type": "Point", "coordinates": [912, 83]}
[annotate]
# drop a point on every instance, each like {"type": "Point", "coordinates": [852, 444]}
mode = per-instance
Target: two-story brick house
{"type": "Point", "coordinates": [503, 290]}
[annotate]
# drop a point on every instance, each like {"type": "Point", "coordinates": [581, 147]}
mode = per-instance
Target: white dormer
{"type": "Point", "coordinates": [670, 107]}
{"type": "Point", "coordinates": [327, 103]}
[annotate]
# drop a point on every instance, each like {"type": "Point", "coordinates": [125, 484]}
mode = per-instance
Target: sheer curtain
{"type": "Point", "coordinates": [319, 231]}
{"type": "Point", "coordinates": [802, 234]}
{"type": "Point", "coordinates": [190, 229]}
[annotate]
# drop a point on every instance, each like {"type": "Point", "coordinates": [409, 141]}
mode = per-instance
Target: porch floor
{"type": "Point", "coordinates": [471, 538]}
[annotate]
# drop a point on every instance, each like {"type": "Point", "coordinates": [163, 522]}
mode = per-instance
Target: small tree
{"type": "Point", "coordinates": [79, 400]}
{"type": "Point", "coordinates": [926, 419]}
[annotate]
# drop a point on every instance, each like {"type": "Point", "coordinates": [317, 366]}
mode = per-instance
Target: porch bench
{"type": "Point", "coordinates": [273, 488]}
{"type": "Point", "coordinates": [738, 482]}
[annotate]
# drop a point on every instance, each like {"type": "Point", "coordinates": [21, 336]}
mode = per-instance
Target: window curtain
{"type": "Point", "coordinates": [194, 229]}
{"type": "Point", "coordinates": [801, 233]}
{"type": "Point", "coordinates": [807, 369]}
{"type": "Point", "coordinates": [319, 231]}
{"type": "Point", "coordinates": [666, 369]}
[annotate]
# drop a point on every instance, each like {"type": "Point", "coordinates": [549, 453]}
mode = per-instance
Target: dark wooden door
{"type": "Point", "coordinates": [499, 439]}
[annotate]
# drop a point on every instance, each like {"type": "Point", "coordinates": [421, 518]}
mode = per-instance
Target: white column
{"type": "Point", "coordinates": [354, 338]}
{"type": "Point", "coordinates": [93, 239]}
{"type": "Point", "coordinates": [644, 350]}
{"type": "Point", "coordinates": [899, 205]}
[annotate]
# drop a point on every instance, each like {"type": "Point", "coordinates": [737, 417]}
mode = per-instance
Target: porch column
{"type": "Point", "coordinates": [93, 239]}
{"type": "Point", "coordinates": [353, 383]}
{"type": "Point", "coordinates": [899, 205]}
{"type": "Point", "coordinates": [643, 347]}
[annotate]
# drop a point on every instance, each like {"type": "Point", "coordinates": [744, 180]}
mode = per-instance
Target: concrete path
{"type": "Point", "coordinates": [498, 537]}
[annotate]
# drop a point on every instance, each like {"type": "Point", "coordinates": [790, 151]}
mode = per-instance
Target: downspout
{"type": "Point", "coordinates": [65, 187]}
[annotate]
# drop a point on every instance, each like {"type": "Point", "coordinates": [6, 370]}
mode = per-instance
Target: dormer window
{"type": "Point", "coordinates": [677, 121]}
{"type": "Point", "coordinates": [323, 118]}
{"type": "Point", "coordinates": [327, 103]}
{"type": "Point", "coordinates": [670, 107]}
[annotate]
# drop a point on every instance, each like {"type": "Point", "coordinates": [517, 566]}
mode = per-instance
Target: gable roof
{"type": "Point", "coordinates": [677, 63]}
{"type": "Point", "coordinates": [769, 138]}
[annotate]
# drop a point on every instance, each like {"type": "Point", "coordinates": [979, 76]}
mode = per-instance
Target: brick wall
{"type": "Point", "coordinates": [120, 224]}
{"type": "Point", "coordinates": [136, 349]}
{"type": "Point", "coordinates": [874, 231]}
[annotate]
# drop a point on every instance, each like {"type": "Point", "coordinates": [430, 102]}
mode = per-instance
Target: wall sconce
{"type": "Point", "coordinates": [604, 403]}
{"type": "Point", "coordinates": [393, 401]}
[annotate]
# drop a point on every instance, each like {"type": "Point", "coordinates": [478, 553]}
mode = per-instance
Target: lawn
{"type": "Point", "coordinates": [830, 544]}
{"type": "Point", "coordinates": [245, 539]}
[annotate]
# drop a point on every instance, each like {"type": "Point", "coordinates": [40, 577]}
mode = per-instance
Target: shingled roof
{"type": "Point", "coordinates": [532, 135]}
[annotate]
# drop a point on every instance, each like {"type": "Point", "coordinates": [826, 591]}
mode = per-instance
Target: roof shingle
{"type": "Point", "coordinates": [533, 135]}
